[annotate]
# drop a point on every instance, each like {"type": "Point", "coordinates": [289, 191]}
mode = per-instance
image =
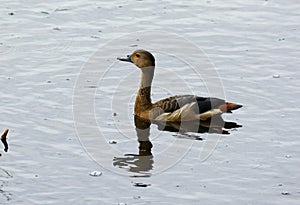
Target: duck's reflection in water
{"type": "Point", "coordinates": [142, 162]}
{"type": "Point", "coordinates": [214, 125]}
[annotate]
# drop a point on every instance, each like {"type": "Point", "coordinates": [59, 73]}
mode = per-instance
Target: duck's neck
{"type": "Point", "coordinates": [146, 77]}
{"type": "Point", "coordinates": [143, 99]}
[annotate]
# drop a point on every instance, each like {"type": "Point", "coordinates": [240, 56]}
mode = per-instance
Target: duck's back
{"type": "Point", "coordinates": [174, 103]}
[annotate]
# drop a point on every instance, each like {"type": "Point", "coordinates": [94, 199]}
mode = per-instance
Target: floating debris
{"type": "Point", "coordinates": [114, 114]}
{"type": "Point", "coordinates": [285, 193]}
{"type": "Point", "coordinates": [95, 173]}
{"type": "Point", "coordinates": [141, 185]}
{"type": "Point", "coordinates": [45, 12]}
{"type": "Point", "coordinates": [134, 45]}
{"type": "Point", "coordinates": [276, 76]}
{"type": "Point", "coordinates": [122, 203]}
{"type": "Point", "coordinates": [280, 184]}
{"type": "Point", "coordinates": [11, 13]}
{"type": "Point", "coordinates": [281, 39]}
{"type": "Point", "coordinates": [3, 140]}
{"type": "Point", "coordinates": [112, 142]}
{"type": "Point", "coordinates": [49, 81]}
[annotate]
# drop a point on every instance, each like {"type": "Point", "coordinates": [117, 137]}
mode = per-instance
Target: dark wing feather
{"type": "Point", "coordinates": [173, 103]}
{"type": "Point", "coordinates": [206, 104]}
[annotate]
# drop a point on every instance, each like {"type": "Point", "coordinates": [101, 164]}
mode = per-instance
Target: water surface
{"type": "Point", "coordinates": [43, 48]}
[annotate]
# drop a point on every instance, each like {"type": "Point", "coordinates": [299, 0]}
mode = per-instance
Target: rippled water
{"type": "Point", "coordinates": [43, 48]}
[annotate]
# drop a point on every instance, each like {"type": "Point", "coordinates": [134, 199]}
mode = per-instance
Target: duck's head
{"type": "Point", "coordinates": [140, 58]}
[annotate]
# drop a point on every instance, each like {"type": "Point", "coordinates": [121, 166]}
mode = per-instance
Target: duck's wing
{"type": "Point", "coordinates": [176, 102]}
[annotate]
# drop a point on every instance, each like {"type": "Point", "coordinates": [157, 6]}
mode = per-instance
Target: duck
{"type": "Point", "coordinates": [176, 108]}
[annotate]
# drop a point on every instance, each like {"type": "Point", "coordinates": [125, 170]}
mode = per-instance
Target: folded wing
{"type": "Point", "coordinates": [176, 102]}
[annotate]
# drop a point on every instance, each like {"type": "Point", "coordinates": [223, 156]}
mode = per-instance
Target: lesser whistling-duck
{"type": "Point", "coordinates": [176, 108]}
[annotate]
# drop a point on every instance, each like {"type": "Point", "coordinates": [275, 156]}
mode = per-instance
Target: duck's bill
{"type": "Point", "coordinates": [128, 59]}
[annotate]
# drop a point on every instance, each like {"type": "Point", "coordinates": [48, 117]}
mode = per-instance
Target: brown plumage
{"type": "Point", "coordinates": [175, 108]}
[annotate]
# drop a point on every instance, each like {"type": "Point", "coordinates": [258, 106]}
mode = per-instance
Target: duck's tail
{"type": "Point", "coordinates": [228, 107]}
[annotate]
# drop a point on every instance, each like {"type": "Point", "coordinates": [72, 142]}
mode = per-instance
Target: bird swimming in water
{"type": "Point", "coordinates": [172, 109]}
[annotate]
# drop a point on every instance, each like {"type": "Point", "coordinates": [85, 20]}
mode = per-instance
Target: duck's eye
{"type": "Point", "coordinates": [137, 55]}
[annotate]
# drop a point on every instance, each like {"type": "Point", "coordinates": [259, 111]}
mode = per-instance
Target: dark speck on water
{"type": "Point", "coordinates": [57, 29]}
{"type": "Point", "coordinates": [139, 176]}
{"type": "Point", "coordinates": [141, 185]}
{"type": "Point", "coordinates": [11, 13]}
{"type": "Point", "coordinates": [137, 197]}
{"type": "Point", "coordinates": [285, 193]}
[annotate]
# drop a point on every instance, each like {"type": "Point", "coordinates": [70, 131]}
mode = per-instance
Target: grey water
{"type": "Point", "coordinates": [245, 51]}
